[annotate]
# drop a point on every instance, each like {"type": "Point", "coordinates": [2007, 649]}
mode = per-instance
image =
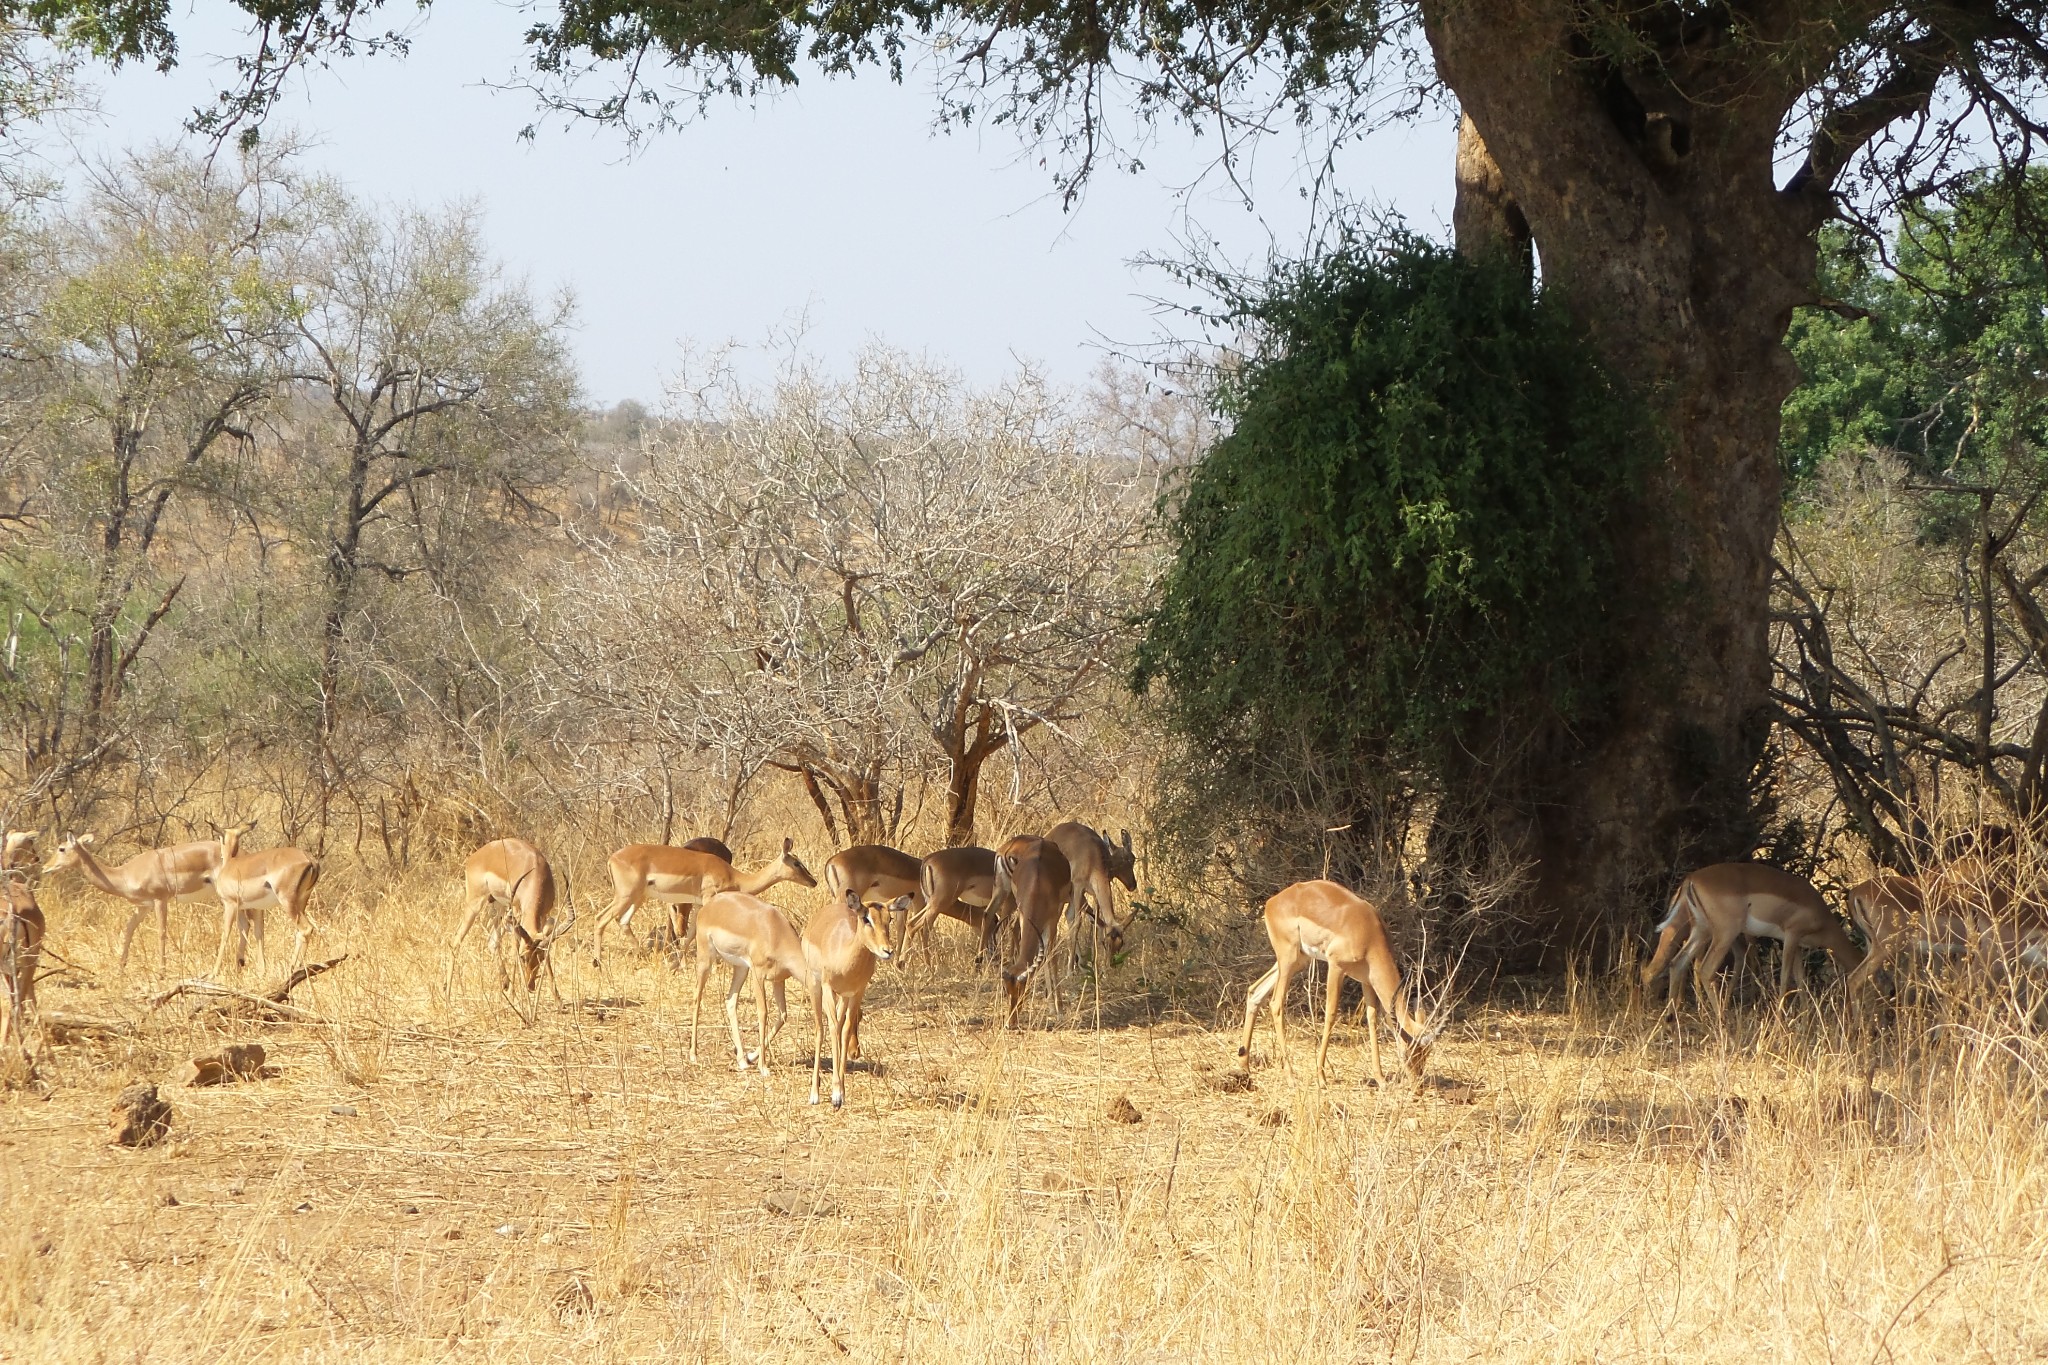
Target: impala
{"type": "Point", "coordinates": [1958, 907]}
{"type": "Point", "coordinates": [683, 877]}
{"type": "Point", "coordinates": [1096, 862]}
{"type": "Point", "coordinates": [250, 884]}
{"type": "Point", "coordinates": [154, 879]}
{"type": "Point", "coordinates": [21, 947]}
{"type": "Point", "coordinates": [876, 872]}
{"type": "Point", "coordinates": [1034, 875]}
{"type": "Point", "coordinates": [1324, 922]}
{"type": "Point", "coordinates": [1727, 900]}
{"type": "Point", "coordinates": [513, 875]}
{"type": "Point", "coordinates": [19, 850]}
{"type": "Point", "coordinates": [959, 883]}
{"type": "Point", "coordinates": [840, 947]}
{"type": "Point", "coordinates": [756, 940]}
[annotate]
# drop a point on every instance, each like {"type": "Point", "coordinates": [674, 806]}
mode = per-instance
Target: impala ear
{"type": "Point", "coordinates": [788, 844]}
{"type": "Point", "coordinates": [83, 839]}
{"type": "Point", "coordinates": [1127, 841]}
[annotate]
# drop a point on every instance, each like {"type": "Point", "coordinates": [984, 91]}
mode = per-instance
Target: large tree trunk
{"type": "Point", "coordinates": [1658, 222]}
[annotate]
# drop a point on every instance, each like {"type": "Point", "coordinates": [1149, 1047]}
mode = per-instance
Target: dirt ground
{"type": "Point", "coordinates": [432, 1179]}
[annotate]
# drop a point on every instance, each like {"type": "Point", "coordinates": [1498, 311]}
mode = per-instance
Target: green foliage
{"type": "Point", "coordinates": [1950, 365]}
{"type": "Point", "coordinates": [1401, 557]}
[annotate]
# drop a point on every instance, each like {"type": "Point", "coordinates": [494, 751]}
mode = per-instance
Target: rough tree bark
{"type": "Point", "coordinates": [1659, 222]}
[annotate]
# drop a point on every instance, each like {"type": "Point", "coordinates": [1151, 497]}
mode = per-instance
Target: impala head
{"type": "Point", "coordinates": [1121, 860]}
{"type": "Point", "coordinates": [533, 952]}
{"type": "Point", "coordinates": [231, 835]}
{"type": "Point", "coordinates": [20, 850]}
{"type": "Point", "coordinates": [792, 867]}
{"type": "Point", "coordinates": [874, 922]}
{"type": "Point", "coordinates": [1415, 1047]}
{"type": "Point", "coordinates": [70, 853]}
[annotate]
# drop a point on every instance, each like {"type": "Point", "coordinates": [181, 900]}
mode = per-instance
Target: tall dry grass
{"type": "Point", "coordinates": [1572, 1185]}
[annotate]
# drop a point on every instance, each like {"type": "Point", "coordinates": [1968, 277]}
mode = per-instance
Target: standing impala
{"type": "Point", "coordinates": [1727, 900]}
{"type": "Point", "coordinates": [512, 874]}
{"type": "Point", "coordinates": [756, 940]}
{"type": "Point", "coordinates": [1095, 862]}
{"type": "Point", "coordinates": [840, 946]}
{"type": "Point", "coordinates": [1035, 877]}
{"type": "Point", "coordinates": [21, 948]}
{"type": "Point", "coordinates": [1328, 923]}
{"type": "Point", "coordinates": [684, 877]}
{"type": "Point", "coordinates": [959, 883]}
{"type": "Point", "coordinates": [876, 872]}
{"type": "Point", "coordinates": [1959, 907]}
{"type": "Point", "coordinates": [154, 879]}
{"type": "Point", "coordinates": [248, 885]}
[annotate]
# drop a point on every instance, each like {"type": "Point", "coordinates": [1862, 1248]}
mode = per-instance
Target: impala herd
{"type": "Point", "coordinates": [881, 901]}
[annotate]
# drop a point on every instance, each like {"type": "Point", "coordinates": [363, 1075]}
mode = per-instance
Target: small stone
{"type": "Point", "coordinates": [452, 1235]}
{"type": "Point", "coordinates": [343, 1111]}
{"type": "Point", "coordinates": [410, 1208]}
{"type": "Point", "coordinates": [306, 1207]}
{"type": "Point", "coordinates": [170, 1200]}
{"type": "Point", "coordinates": [1235, 1082]}
{"type": "Point", "coordinates": [1274, 1118]}
{"type": "Point", "coordinates": [1121, 1110]}
{"type": "Point", "coordinates": [510, 1229]}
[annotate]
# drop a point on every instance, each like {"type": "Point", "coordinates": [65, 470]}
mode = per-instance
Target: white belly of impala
{"type": "Point", "coordinates": [1759, 928]}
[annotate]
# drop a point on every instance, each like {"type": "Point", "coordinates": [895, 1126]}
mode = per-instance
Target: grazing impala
{"type": "Point", "coordinates": [513, 875]}
{"type": "Point", "coordinates": [1959, 907]}
{"type": "Point", "coordinates": [1096, 862]}
{"type": "Point", "coordinates": [840, 946]}
{"type": "Point", "coordinates": [683, 877]}
{"type": "Point", "coordinates": [756, 940]}
{"type": "Point", "coordinates": [876, 872]}
{"type": "Point", "coordinates": [1727, 900]}
{"type": "Point", "coordinates": [959, 883]}
{"type": "Point", "coordinates": [248, 885]}
{"type": "Point", "coordinates": [1328, 923]}
{"type": "Point", "coordinates": [1035, 877]}
{"type": "Point", "coordinates": [154, 879]}
{"type": "Point", "coordinates": [21, 948]}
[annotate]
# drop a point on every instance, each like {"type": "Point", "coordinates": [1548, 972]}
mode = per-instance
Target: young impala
{"type": "Point", "coordinates": [1724, 901]}
{"type": "Point", "coordinates": [683, 877]}
{"type": "Point", "coordinates": [756, 940]}
{"type": "Point", "coordinates": [153, 879]}
{"type": "Point", "coordinates": [250, 884]}
{"type": "Point", "coordinates": [1328, 923]}
{"type": "Point", "coordinates": [512, 876]}
{"type": "Point", "coordinates": [841, 945]}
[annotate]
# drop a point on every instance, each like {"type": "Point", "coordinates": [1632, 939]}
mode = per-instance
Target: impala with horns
{"type": "Point", "coordinates": [249, 884]}
{"type": "Point", "coordinates": [684, 877]}
{"type": "Point", "coordinates": [876, 872]}
{"type": "Point", "coordinates": [841, 945]}
{"type": "Point", "coordinates": [1096, 862]}
{"type": "Point", "coordinates": [758, 942]}
{"type": "Point", "coordinates": [21, 948]}
{"type": "Point", "coordinates": [1034, 877]}
{"type": "Point", "coordinates": [1963, 906]}
{"type": "Point", "coordinates": [515, 882]}
{"type": "Point", "coordinates": [959, 883]}
{"type": "Point", "coordinates": [1321, 921]}
{"type": "Point", "coordinates": [1724, 901]}
{"type": "Point", "coordinates": [154, 879]}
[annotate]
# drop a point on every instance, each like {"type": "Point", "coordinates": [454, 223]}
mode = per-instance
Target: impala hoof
{"type": "Point", "coordinates": [839, 1101]}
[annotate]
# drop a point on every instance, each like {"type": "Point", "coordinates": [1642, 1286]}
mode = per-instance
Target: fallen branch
{"type": "Point", "coordinates": [64, 1028]}
{"type": "Point", "coordinates": [301, 977]}
{"type": "Point", "coordinates": [265, 1006]}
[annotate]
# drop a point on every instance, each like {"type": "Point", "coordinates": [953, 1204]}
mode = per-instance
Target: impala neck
{"type": "Point", "coordinates": [97, 875]}
{"type": "Point", "coordinates": [1414, 1023]}
{"type": "Point", "coordinates": [760, 879]}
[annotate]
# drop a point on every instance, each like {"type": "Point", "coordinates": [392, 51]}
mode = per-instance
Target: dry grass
{"type": "Point", "coordinates": [1573, 1187]}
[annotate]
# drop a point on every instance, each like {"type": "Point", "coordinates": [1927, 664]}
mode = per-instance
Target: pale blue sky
{"type": "Point", "coordinates": [836, 201]}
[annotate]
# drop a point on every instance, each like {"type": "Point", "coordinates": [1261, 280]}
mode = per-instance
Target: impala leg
{"type": "Point", "coordinates": [820, 992]}
{"type": "Point", "coordinates": [1372, 1033]}
{"type": "Point", "coordinates": [853, 1025]}
{"type": "Point", "coordinates": [256, 924]}
{"type": "Point", "coordinates": [704, 960]}
{"type": "Point", "coordinates": [849, 1024]}
{"type": "Point", "coordinates": [230, 921]}
{"type": "Point", "coordinates": [1334, 982]}
{"type": "Point", "coordinates": [781, 988]}
{"type": "Point", "coordinates": [1253, 998]}
{"type": "Point", "coordinates": [1289, 963]}
{"type": "Point", "coordinates": [619, 912]}
{"type": "Point", "coordinates": [470, 910]}
{"type": "Point", "coordinates": [732, 1012]}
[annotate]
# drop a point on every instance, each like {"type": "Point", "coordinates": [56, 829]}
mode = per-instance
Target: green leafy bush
{"type": "Point", "coordinates": [1398, 563]}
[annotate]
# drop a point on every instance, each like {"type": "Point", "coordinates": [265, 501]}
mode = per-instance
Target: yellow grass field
{"type": "Point", "coordinates": [431, 1180]}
